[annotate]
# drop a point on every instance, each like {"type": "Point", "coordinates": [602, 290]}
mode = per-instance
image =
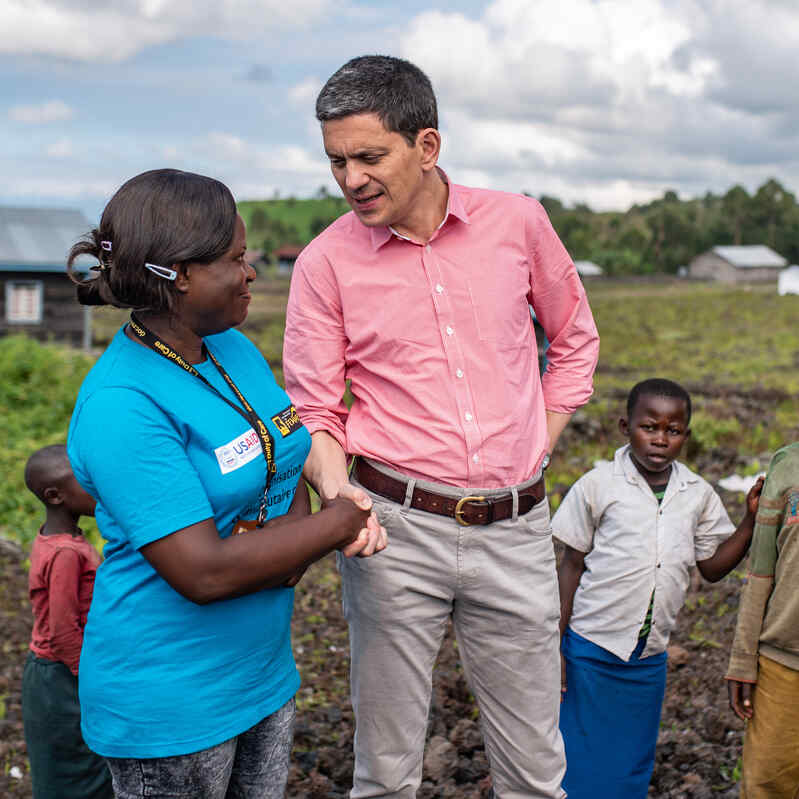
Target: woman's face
{"type": "Point", "coordinates": [217, 295]}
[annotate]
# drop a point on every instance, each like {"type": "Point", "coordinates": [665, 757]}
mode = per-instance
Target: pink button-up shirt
{"type": "Point", "coordinates": [437, 340]}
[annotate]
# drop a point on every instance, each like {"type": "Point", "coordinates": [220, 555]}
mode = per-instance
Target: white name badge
{"type": "Point", "coordinates": [238, 452]}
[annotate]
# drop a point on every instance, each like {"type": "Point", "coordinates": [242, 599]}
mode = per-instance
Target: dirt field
{"type": "Point", "coordinates": [698, 749]}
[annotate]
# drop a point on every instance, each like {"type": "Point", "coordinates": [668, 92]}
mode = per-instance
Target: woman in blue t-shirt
{"type": "Point", "coordinates": [194, 454]}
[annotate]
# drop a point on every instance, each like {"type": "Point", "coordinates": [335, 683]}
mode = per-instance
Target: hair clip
{"type": "Point", "coordinates": [106, 245]}
{"type": "Point", "coordinates": [100, 267]}
{"type": "Point", "coordinates": [162, 271]}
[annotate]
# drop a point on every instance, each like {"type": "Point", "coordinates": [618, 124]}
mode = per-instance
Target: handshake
{"type": "Point", "coordinates": [362, 533]}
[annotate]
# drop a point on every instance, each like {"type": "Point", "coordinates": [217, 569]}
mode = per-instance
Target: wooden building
{"type": "Point", "coordinates": [37, 297]}
{"type": "Point", "coordinates": [738, 264]}
{"type": "Point", "coordinates": [285, 257]}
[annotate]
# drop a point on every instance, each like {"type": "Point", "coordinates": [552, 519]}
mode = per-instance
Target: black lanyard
{"type": "Point", "coordinates": [148, 338]}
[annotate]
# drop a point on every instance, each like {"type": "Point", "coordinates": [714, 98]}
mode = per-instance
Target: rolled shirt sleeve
{"type": "Point", "coordinates": [560, 303]}
{"type": "Point", "coordinates": [314, 348]}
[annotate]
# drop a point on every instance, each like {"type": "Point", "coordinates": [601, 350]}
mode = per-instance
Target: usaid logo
{"type": "Point", "coordinates": [238, 452]}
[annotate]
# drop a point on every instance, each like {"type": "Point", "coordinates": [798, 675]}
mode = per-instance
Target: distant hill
{"type": "Point", "coordinates": [655, 237]}
{"type": "Point", "coordinates": [273, 223]}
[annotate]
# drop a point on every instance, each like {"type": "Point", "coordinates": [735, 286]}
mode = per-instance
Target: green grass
{"type": "Point", "coordinates": [736, 349]}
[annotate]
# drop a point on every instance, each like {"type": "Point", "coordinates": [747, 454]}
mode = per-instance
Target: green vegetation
{"type": "Point", "coordinates": [38, 385]}
{"type": "Point", "coordinates": [736, 350]}
{"type": "Point", "coordinates": [274, 223]}
{"type": "Point", "coordinates": [656, 237]}
{"type": "Point", "coordinates": [667, 233]}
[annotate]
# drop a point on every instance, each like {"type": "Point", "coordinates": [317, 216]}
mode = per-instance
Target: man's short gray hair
{"type": "Point", "coordinates": [397, 91]}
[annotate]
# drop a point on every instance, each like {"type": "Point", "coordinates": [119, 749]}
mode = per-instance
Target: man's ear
{"type": "Point", "coordinates": [53, 496]}
{"type": "Point", "coordinates": [429, 142]}
{"type": "Point", "coordinates": [624, 426]}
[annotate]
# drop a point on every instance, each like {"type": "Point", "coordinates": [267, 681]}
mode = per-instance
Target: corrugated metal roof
{"type": "Point", "coordinates": [39, 236]}
{"type": "Point", "coordinates": [750, 255]}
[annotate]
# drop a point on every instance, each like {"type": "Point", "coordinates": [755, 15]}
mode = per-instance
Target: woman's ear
{"type": "Point", "coordinates": [183, 278]}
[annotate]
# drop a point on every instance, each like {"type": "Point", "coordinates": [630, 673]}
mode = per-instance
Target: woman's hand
{"type": "Point", "coordinates": [371, 537]}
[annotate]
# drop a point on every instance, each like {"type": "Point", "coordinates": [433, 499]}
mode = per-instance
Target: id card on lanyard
{"type": "Point", "coordinates": [149, 339]}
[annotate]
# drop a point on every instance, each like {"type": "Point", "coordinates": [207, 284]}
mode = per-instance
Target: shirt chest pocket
{"type": "Point", "coordinates": [677, 534]}
{"type": "Point", "coordinates": [499, 306]}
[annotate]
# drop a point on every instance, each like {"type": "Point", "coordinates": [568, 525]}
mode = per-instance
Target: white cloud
{"type": "Point", "coordinates": [115, 30]}
{"type": "Point", "coordinates": [60, 149]}
{"type": "Point", "coordinates": [304, 94]}
{"type": "Point", "coordinates": [52, 111]}
{"type": "Point", "coordinates": [613, 101]}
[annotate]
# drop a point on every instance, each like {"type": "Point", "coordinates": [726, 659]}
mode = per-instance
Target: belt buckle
{"type": "Point", "coordinates": [459, 509]}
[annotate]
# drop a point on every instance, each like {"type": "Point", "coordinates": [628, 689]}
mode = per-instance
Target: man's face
{"type": "Point", "coordinates": [378, 172]}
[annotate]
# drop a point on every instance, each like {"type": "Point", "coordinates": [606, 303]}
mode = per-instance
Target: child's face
{"type": "Point", "coordinates": [75, 499]}
{"type": "Point", "coordinates": [657, 430]}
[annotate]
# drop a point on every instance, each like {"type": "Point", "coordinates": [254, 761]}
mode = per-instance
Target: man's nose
{"type": "Point", "coordinates": [356, 178]}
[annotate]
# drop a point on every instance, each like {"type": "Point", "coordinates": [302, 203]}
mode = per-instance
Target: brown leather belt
{"type": "Point", "coordinates": [467, 510]}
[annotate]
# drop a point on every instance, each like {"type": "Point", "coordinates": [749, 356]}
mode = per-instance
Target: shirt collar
{"type": "Point", "coordinates": [623, 464]}
{"type": "Point", "coordinates": [455, 207]}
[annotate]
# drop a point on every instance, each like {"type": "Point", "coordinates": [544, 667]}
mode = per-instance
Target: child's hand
{"type": "Point", "coordinates": [753, 497]}
{"type": "Point", "coordinates": [562, 676]}
{"type": "Point", "coordinates": [740, 695]}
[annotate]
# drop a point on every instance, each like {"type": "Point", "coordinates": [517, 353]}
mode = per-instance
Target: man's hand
{"type": "Point", "coordinates": [741, 699]}
{"type": "Point", "coordinates": [370, 539]}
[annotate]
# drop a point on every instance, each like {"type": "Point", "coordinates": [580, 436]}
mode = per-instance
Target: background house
{"type": "Point", "coordinates": [37, 297]}
{"type": "Point", "coordinates": [788, 282]}
{"type": "Point", "coordinates": [285, 257]}
{"type": "Point", "coordinates": [738, 264]}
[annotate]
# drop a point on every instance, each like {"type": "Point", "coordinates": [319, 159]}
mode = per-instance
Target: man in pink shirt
{"type": "Point", "coordinates": [420, 298]}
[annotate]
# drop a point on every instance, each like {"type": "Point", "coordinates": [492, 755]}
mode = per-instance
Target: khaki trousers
{"type": "Point", "coordinates": [771, 743]}
{"type": "Point", "coordinates": [499, 586]}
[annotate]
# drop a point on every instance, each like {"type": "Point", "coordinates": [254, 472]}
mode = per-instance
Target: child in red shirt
{"type": "Point", "coordinates": [61, 580]}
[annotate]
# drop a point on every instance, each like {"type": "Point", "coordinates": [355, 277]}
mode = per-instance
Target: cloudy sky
{"type": "Point", "coordinates": [606, 102]}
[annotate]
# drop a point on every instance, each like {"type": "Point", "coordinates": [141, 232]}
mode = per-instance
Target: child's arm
{"type": "Point", "coordinates": [570, 570]}
{"type": "Point", "coordinates": [730, 552]}
{"type": "Point", "coordinates": [66, 633]}
{"type": "Point", "coordinates": [742, 669]}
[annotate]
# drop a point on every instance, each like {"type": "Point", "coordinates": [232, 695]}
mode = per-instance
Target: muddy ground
{"type": "Point", "coordinates": [698, 750]}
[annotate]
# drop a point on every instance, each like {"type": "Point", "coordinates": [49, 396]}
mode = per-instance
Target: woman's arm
{"type": "Point", "coordinates": [204, 568]}
{"type": "Point", "coordinates": [570, 570]}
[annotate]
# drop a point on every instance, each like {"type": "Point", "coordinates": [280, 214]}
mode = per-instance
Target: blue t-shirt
{"type": "Point", "coordinates": [160, 675]}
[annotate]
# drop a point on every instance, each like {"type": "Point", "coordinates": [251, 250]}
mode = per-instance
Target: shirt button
{"type": "Point", "coordinates": [467, 416]}
{"type": "Point", "coordinates": [427, 248]}
{"type": "Point", "coordinates": [658, 565]}
{"type": "Point", "coordinates": [450, 331]}
{"type": "Point", "coordinates": [439, 288]}
{"type": "Point", "coordinates": [459, 373]}
{"type": "Point", "coordinates": [475, 457]}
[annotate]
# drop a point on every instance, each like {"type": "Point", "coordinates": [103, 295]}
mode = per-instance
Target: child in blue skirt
{"type": "Point", "coordinates": [633, 527]}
